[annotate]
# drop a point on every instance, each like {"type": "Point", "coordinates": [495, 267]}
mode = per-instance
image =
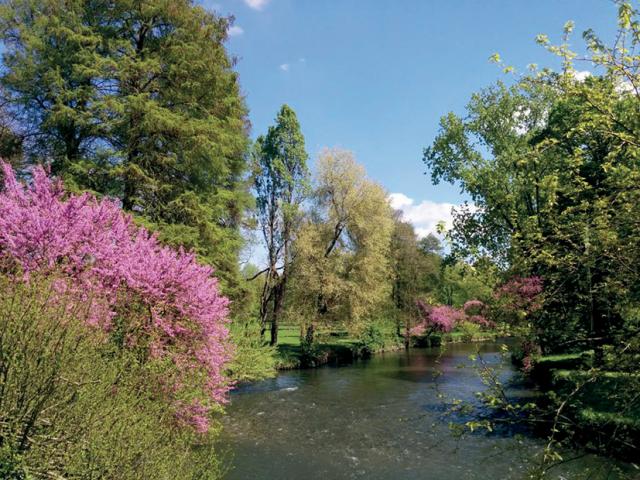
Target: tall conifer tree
{"type": "Point", "coordinates": [136, 100]}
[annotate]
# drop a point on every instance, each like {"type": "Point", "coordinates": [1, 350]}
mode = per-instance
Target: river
{"type": "Point", "coordinates": [382, 418]}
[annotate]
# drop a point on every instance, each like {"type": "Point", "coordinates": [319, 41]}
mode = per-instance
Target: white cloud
{"type": "Point", "coordinates": [302, 60]}
{"type": "Point", "coordinates": [284, 67]}
{"type": "Point", "coordinates": [256, 4]}
{"type": "Point", "coordinates": [235, 30]}
{"type": "Point", "coordinates": [624, 86]}
{"type": "Point", "coordinates": [581, 75]}
{"type": "Point", "coordinates": [424, 216]}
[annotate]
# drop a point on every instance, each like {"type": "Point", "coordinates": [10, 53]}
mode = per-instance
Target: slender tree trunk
{"type": "Point", "coordinates": [267, 293]}
{"type": "Point", "coordinates": [278, 303]}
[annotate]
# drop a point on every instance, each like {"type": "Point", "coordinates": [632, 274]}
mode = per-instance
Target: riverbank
{"type": "Point", "coordinates": [603, 414]}
{"type": "Point", "coordinates": [338, 347]}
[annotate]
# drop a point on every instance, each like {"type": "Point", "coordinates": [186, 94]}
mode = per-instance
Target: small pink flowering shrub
{"type": "Point", "coordinates": [171, 305]}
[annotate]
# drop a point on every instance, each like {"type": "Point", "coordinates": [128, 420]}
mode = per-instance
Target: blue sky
{"type": "Point", "coordinates": [374, 76]}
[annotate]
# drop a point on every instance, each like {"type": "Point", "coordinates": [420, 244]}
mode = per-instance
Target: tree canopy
{"type": "Point", "coordinates": [136, 100]}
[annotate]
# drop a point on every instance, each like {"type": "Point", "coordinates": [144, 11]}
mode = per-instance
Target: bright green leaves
{"type": "Point", "coordinates": [281, 183]}
{"type": "Point", "coordinates": [550, 164]}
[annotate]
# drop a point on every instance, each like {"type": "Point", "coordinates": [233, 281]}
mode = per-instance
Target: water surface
{"type": "Point", "coordinates": [383, 418]}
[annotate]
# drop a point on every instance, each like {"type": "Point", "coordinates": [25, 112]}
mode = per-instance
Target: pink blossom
{"type": "Point", "coordinates": [521, 293]}
{"type": "Point", "coordinates": [111, 262]}
{"type": "Point", "coordinates": [473, 306]}
{"type": "Point", "coordinates": [440, 318]}
{"type": "Point", "coordinates": [445, 317]}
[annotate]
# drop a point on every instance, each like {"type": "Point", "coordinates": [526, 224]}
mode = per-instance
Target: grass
{"type": "Point", "coordinates": [339, 344]}
{"type": "Point", "coordinates": [332, 344]}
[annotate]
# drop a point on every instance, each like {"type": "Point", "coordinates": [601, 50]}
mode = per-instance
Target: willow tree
{"type": "Point", "coordinates": [136, 100]}
{"type": "Point", "coordinates": [342, 267]}
{"type": "Point", "coordinates": [281, 183]}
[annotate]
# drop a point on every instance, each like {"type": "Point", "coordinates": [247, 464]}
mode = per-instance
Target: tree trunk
{"type": "Point", "coordinates": [267, 292]}
{"type": "Point", "coordinates": [278, 303]}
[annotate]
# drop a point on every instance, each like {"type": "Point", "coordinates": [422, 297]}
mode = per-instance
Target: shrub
{"type": "Point", "coordinates": [311, 354]}
{"type": "Point", "coordinates": [72, 405]}
{"type": "Point", "coordinates": [370, 341]}
{"type": "Point", "coordinates": [254, 359]}
{"type": "Point", "coordinates": [470, 330]}
{"type": "Point", "coordinates": [152, 297]}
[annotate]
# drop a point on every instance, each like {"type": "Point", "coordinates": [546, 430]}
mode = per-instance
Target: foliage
{"type": "Point", "coordinates": [281, 184]}
{"type": "Point", "coordinates": [74, 405]}
{"type": "Point", "coordinates": [444, 318]}
{"type": "Point", "coordinates": [253, 359]}
{"type": "Point", "coordinates": [371, 340]}
{"type": "Point", "coordinates": [342, 271]}
{"type": "Point", "coordinates": [551, 164]}
{"type": "Point", "coordinates": [311, 353]}
{"type": "Point", "coordinates": [139, 101]}
{"type": "Point", "coordinates": [148, 296]}
{"type": "Point", "coordinates": [516, 300]}
{"type": "Point", "coordinates": [470, 330]}
{"type": "Point", "coordinates": [461, 281]}
{"type": "Point", "coordinates": [415, 270]}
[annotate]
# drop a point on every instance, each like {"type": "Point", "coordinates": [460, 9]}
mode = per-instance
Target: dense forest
{"type": "Point", "coordinates": [131, 186]}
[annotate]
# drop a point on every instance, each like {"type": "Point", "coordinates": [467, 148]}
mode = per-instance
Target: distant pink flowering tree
{"type": "Point", "coordinates": [444, 318]}
{"type": "Point", "coordinates": [440, 318]}
{"type": "Point", "coordinates": [111, 264]}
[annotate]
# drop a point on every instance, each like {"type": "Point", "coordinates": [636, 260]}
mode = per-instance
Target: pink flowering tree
{"type": "Point", "coordinates": [514, 302]}
{"type": "Point", "coordinates": [519, 297]}
{"type": "Point", "coordinates": [154, 297]}
{"type": "Point", "coordinates": [439, 318]}
{"type": "Point", "coordinates": [444, 318]}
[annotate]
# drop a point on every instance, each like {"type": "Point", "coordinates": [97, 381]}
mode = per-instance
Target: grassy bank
{"type": "Point", "coordinates": [338, 346]}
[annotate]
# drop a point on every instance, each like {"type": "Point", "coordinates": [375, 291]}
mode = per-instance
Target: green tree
{"type": "Point", "coordinates": [136, 100]}
{"type": "Point", "coordinates": [415, 270]}
{"type": "Point", "coordinates": [461, 281]}
{"type": "Point", "coordinates": [430, 244]}
{"type": "Point", "coordinates": [342, 268]}
{"type": "Point", "coordinates": [551, 165]}
{"type": "Point", "coordinates": [281, 184]}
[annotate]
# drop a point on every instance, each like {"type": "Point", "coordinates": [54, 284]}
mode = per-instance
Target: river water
{"type": "Point", "coordinates": [384, 418]}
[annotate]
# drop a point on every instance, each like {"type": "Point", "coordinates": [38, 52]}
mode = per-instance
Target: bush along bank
{"type": "Point", "coordinates": [588, 401]}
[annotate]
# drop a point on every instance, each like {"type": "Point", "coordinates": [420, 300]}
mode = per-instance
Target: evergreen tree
{"type": "Point", "coordinates": [136, 100]}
